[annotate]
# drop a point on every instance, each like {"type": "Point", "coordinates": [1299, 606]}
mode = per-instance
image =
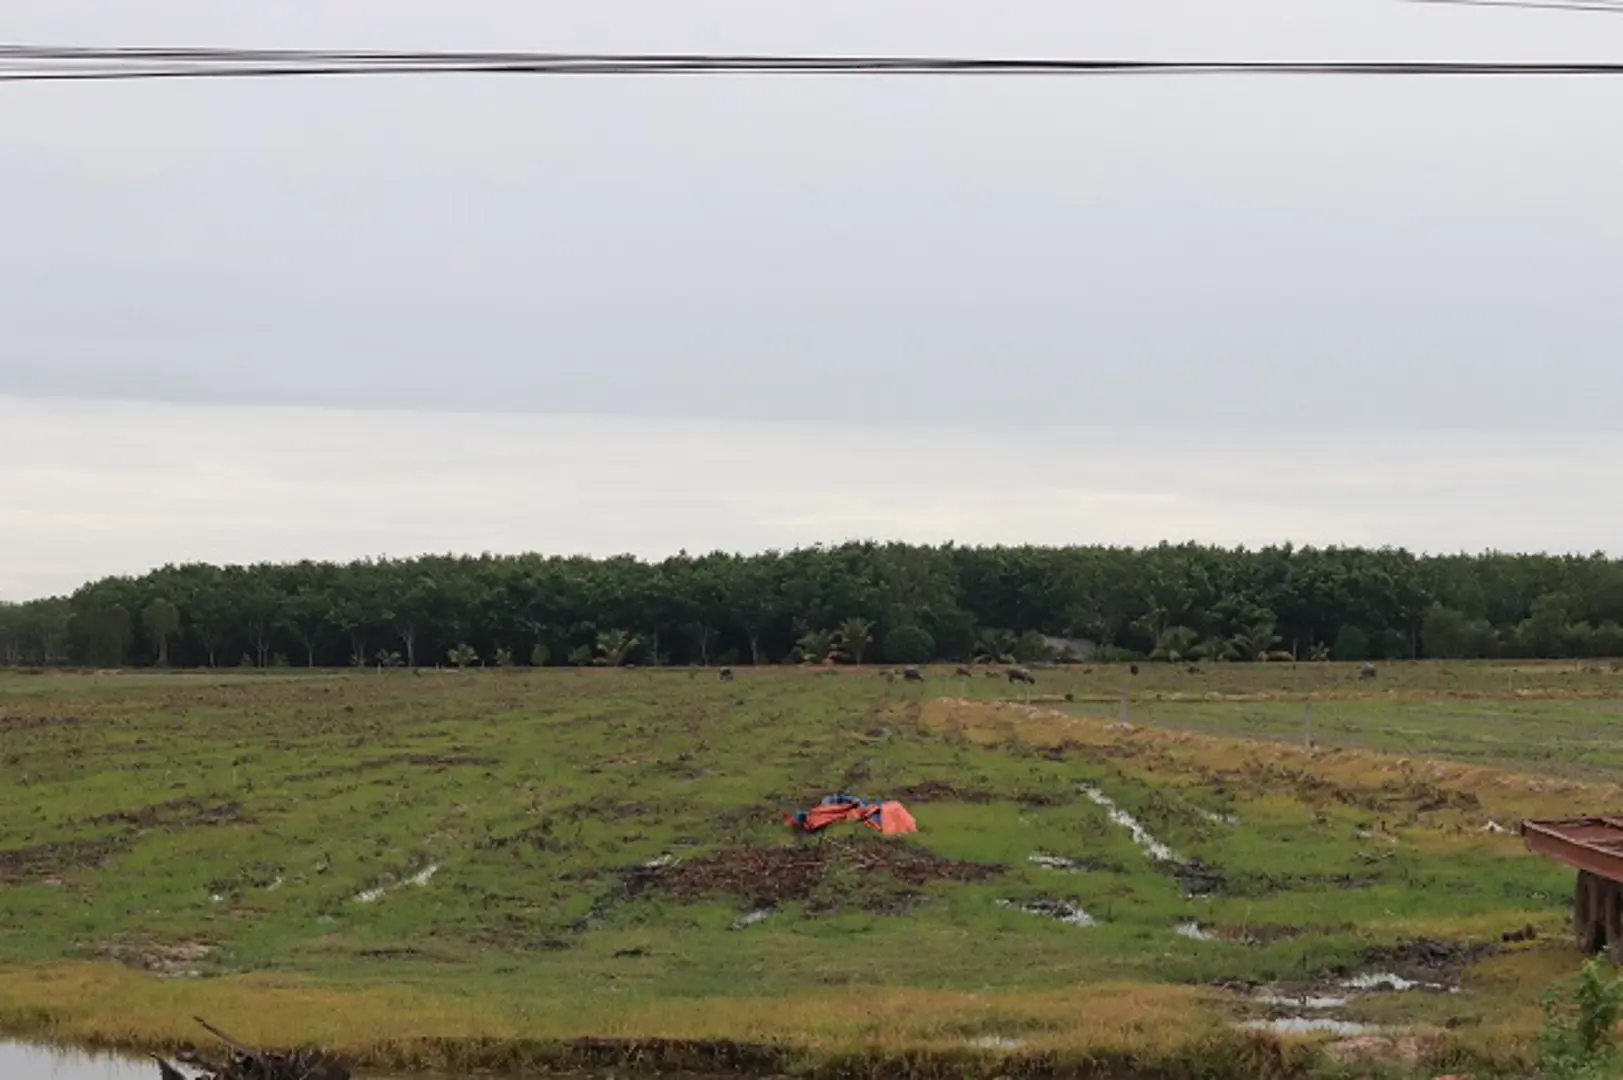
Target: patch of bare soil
{"type": "Point", "coordinates": [1198, 879]}
{"type": "Point", "coordinates": [175, 812]}
{"type": "Point", "coordinates": [876, 873]}
{"type": "Point", "coordinates": [1427, 958]}
{"type": "Point", "coordinates": [1264, 883]}
{"type": "Point", "coordinates": [1039, 799]}
{"type": "Point", "coordinates": [10, 724]}
{"type": "Point", "coordinates": [178, 959]}
{"type": "Point", "coordinates": [435, 762]}
{"type": "Point", "coordinates": [43, 861]}
{"type": "Point", "coordinates": [537, 837]}
{"type": "Point", "coordinates": [1405, 1050]}
{"type": "Point", "coordinates": [427, 761]}
{"type": "Point", "coordinates": [1260, 935]}
{"type": "Point", "coordinates": [941, 791]}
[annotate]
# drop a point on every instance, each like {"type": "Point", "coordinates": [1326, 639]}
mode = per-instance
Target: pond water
{"type": "Point", "coordinates": [22, 1061]}
{"type": "Point", "coordinates": [39, 1063]}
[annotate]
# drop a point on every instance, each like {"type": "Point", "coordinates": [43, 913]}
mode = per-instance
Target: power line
{"type": "Point", "coordinates": [29, 63]}
{"type": "Point", "coordinates": [1540, 5]}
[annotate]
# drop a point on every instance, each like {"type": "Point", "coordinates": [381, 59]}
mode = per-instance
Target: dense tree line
{"type": "Point", "coordinates": [856, 602]}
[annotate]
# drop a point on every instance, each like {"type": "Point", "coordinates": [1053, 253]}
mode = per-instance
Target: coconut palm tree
{"type": "Point", "coordinates": [854, 636]}
{"type": "Point", "coordinates": [814, 645]}
{"type": "Point", "coordinates": [1253, 644]}
{"type": "Point", "coordinates": [993, 646]}
{"type": "Point", "coordinates": [614, 647]}
{"type": "Point", "coordinates": [1176, 644]}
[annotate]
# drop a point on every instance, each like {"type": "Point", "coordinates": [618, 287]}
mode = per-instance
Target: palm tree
{"type": "Point", "coordinates": [1253, 644]}
{"type": "Point", "coordinates": [995, 646]}
{"type": "Point", "coordinates": [614, 647]}
{"type": "Point", "coordinates": [854, 636]}
{"type": "Point", "coordinates": [1176, 643]}
{"type": "Point", "coordinates": [814, 645]}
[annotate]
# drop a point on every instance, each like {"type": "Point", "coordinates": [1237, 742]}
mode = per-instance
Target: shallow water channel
{"type": "Point", "coordinates": [39, 1063]}
{"type": "Point", "coordinates": [21, 1061]}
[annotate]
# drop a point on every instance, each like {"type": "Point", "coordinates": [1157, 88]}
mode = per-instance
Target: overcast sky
{"type": "Point", "coordinates": [328, 318]}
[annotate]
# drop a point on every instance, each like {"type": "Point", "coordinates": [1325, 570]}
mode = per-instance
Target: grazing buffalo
{"type": "Point", "coordinates": [726, 674]}
{"type": "Point", "coordinates": [1367, 671]}
{"type": "Point", "coordinates": [1022, 675]}
{"type": "Point", "coordinates": [963, 669]}
{"type": "Point", "coordinates": [912, 674]}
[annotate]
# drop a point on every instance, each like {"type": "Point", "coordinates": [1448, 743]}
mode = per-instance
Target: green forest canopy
{"type": "Point", "coordinates": [852, 602]}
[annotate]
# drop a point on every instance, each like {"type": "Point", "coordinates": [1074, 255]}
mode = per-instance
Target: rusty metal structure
{"type": "Point", "coordinates": [1594, 847]}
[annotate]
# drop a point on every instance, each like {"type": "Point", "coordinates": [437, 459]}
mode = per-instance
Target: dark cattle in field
{"type": "Point", "coordinates": [963, 669]}
{"type": "Point", "coordinates": [726, 674]}
{"type": "Point", "coordinates": [1020, 674]}
{"type": "Point", "coordinates": [912, 674]}
{"type": "Point", "coordinates": [1367, 671]}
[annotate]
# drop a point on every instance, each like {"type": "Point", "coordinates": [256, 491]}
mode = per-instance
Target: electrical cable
{"type": "Point", "coordinates": [27, 63]}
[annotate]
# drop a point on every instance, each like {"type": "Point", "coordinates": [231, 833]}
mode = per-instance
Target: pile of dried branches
{"type": "Point", "coordinates": [246, 1063]}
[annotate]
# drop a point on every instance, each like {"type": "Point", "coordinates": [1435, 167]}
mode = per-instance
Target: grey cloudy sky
{"type": "Point", "coordinates": [330, 318]}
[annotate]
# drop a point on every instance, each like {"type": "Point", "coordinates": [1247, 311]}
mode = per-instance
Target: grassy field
{"type": "Point", "coordinates": [485, 868]}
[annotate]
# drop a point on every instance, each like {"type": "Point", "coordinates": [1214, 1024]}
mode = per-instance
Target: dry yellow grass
{"type": "Point", "coordinates": [110, 1006]}
{"type": "Point", "coordinates": [1505, 796]}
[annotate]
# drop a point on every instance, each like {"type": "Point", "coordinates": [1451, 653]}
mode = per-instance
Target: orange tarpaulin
{"type": "Point", "coordinates": [887, 816]}
{"type": "Point", "coordinates": [894, 818]}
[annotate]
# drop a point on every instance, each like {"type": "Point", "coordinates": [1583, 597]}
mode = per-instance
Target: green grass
{"type": "Point", "coordinates": [247, 813]}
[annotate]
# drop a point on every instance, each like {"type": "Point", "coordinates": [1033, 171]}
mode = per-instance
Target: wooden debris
{"type": "Point", "coordinates": [246, 1063]}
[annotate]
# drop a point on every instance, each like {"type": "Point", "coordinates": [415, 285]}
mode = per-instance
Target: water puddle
{"type": "Point", "coordinates": [39, 1063]}
{"type": "Point", "coordinates": [995, 1042]}
{"type": "Point", "coordinates": [24, 1061]}
{"type": "Point", "coordinates": [420, 880]}
{"type": "Point", "coordinates": [1141, 836]}
{"type": "Point", "coordinates": [1385, 980]}
{"type": "Point", "coordinates": [1219, 819]}
{"type": "Point", "coordinates": [1292, 1001]}
{"type": "Point", "coordinates": [1311, 1025]}
{"type": "Point", "coordinates": [1193, 931]}
{"type": "Point", "coordinates": [1055, 862]}
{"type": "Point", "coordinates": [1066, 913]}
{"type": "Point", "coordinates": [750, 918]}
{"type": "Point", "coordinates": [1303, 1004]}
